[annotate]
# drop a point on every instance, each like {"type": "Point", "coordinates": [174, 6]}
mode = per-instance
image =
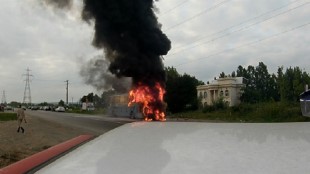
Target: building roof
{"type": "Point", "coordinates": [223, 82]}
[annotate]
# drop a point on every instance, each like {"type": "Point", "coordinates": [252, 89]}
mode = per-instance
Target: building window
{"type": "Point", "coordinates": [200, 94]}
{"type": "Point", "coordinates": [221, 93]}
{"type": "Point", "coordinates": [205, 95]}
{"type": "Point", "coordinates": [226, 93]}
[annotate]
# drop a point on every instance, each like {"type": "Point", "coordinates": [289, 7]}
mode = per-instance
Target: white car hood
{"type": "Point", "coordinates": [192, 148]}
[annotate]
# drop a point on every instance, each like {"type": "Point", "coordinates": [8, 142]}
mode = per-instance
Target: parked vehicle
{"type": "Point", "coordinates": [34, 108]}
{"type": "Point", "coordinates": [46, 108]}
{"type": "Point", "coordinates": [60, 109]}
{"type": "Point", "coordinates": [88, 106]}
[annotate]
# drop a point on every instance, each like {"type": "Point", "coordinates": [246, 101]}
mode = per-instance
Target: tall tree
{"type": "Point", "coordinates": [233, 74]}
{"type": "Point", "coordinates": [260, 85]}
{"type": "Point", "coordinates": [88, 98]}
{"type": "Point", "coordinates": [222, 75]}
{"type": "Point", "coordinates": [61, 103]}
{"type": "Point", "coordinates": [280, 83]}
{"type": "Point", "coordinates": [181, 91]}
{"type": "Point", "coordinates": [293, 83]}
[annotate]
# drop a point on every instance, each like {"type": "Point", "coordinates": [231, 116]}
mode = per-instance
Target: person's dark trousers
{"type": "Point", "coordinates": [23, 130]}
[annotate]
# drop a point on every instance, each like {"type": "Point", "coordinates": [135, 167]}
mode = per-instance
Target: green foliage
{"type": "Point", "coordinates": [222, 75]}
{"type": "Point", "coordinates": [61, 103]}
{"type": "Point", "coordinates": [8, 116]}
{"type": "Point", "coordinates": [181, 94]}
{"type": "Point", "coordinates": [88, 98]}
{"type": "Point", "coordinates": [217, 106]}
{"type": "Point", "coordinates": [262, 112]}
{"type": "Point", "coordinates": [14, 104]}
{"type": "Point", "coordinates": [261, 86]}
{"type": "Point", "coordinates": [43, 104]}
{"type": "Point", "coordinates": [291, 83]}
{"type": "Point", "coordinates": [92, 98]}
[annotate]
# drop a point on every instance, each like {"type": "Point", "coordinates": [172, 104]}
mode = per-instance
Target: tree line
{"type": "Point", "coordinates": [260, 86]}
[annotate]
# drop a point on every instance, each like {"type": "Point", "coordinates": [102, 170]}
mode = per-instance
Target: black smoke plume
{"type": "Point", "coordinates": [131, 37]}
{"type": "Point", "coordinates": [132, 40]}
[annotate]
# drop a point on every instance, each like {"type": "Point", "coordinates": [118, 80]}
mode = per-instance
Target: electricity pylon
{"type": "Point", "coordinates": [27, 92]}
{"type": "Point", "coordinates": [3, 101]}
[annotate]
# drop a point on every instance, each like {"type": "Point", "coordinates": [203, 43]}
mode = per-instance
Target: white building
{"type": "Point", "coordinates": [229, 88]}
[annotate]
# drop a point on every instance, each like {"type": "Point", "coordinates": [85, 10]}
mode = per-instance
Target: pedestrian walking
{"type": "Point", "coordinates": [20, 118]}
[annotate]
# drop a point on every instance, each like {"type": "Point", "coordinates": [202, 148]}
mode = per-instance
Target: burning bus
{"type": "Point", "coordinates": [141, 102]}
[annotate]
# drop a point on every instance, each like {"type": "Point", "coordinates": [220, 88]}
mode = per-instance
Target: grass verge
{"type": "Point", "coordinates": [7, 116]}
{"type": "Point", "coordinates": [261, 112]}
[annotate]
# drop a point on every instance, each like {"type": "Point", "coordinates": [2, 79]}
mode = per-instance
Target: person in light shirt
{"type": "Point", "coordinates": [20, 118]}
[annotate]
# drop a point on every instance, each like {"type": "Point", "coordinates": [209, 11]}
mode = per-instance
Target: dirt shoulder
{"type": "Point", "coordinates": [39, 135]}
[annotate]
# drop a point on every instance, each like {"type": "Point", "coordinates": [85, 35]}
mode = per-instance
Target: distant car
{"type": "Point", "coordinates": [8, 108]}
{"type": "Point", "coordinates": [34, 108]}
{"type": "Point", "coordinates": [60, 109]}
{"type": "Point", "coordinates": [46, 108]}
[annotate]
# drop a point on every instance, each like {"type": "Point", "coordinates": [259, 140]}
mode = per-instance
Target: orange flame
{"type": "Point", "coordinates": [151, 100]}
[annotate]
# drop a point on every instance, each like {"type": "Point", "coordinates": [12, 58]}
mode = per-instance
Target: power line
{"type": "Point", "coordinates": [240, 29]}
{"type": "Point", "coordinates": [240, 24]}
{"type": "Point", "coordinates": [247, 44]}
{"type": "Point", "coordinates": [197, 15]}
{"type": "Point", "coordinates": [175, 7]}
{"type": "Point", "coordinates": [44, 80]}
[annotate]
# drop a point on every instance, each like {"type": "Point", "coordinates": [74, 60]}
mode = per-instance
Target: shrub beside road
{"type": "Point", "coordinates": [5, 116]}
{"type": "Point", "coordinates": [261, 112]}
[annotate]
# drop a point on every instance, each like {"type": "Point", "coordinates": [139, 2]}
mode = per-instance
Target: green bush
{"type": "Point", "coordinates": [8, 116]}
{"type": "Point", "coordinates": [208, 109]}
{"type": "Point", "coordinates": [259, 112]}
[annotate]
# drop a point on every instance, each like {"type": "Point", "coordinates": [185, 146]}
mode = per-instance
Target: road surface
{"type": "Point", "coordinates": [95, 124]}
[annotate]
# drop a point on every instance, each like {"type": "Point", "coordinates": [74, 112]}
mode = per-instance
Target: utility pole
{"type": "Point", "coordinates": [3, 101]}
{"type": "Point", "coordinates": [27, 92]}
{"type": "Point", "coordinates": [67, 81]}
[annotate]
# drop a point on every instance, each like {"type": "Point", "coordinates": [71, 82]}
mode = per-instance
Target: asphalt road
{"type": "Point", "coordinates": [90, 123]}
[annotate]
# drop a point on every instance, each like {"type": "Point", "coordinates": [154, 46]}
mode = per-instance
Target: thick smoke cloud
{"type": "Point", "coordinates": [95, 72]}
{"type": "Point", "coordinates": [129, 33]}
{"type": "Point", "coordinates": [131, 37]}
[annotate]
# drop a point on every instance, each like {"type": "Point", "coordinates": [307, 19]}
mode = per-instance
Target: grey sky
{"type": "Point", "coordinates": [207, 37]}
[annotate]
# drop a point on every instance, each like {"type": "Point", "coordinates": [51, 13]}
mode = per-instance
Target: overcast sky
{"type": "Point", "coordinates": [208, 37]}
